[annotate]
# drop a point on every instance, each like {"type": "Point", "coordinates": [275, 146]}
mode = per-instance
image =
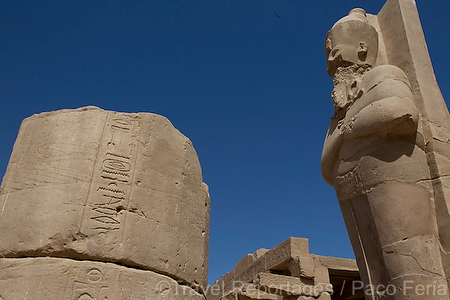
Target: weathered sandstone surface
{"type": "Point", "coordinates": [66, 279]}
{"type": "Point", "coordinates": [386, 151]}
{"type": "Point", "coordinates": [104, 186]}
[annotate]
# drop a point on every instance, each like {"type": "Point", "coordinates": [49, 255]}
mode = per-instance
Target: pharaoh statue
{"type": "Point", "coordinates": [374, 156]}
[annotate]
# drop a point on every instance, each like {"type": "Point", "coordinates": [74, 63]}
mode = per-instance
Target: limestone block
{"type": "Point", "coordinates": [285, 251]}
{"type": "Point", "coordinates": [243, 263]}
{"type": "Point", "coordinates": [322, 277]}
{"type": "Point", "coordinates": [295, 268]}
{"type": "Point", "coordinates": [66, 279]}
{"type": "Point", "coordinates": [338, 264]}
{"type": "Point", "coordinates": [302, 267]}
{"type": "Point", "coordinates": [106, 186]}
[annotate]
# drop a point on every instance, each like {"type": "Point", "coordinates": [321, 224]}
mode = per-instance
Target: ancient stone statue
{"type": "Point", "coordinates": [375, 156]}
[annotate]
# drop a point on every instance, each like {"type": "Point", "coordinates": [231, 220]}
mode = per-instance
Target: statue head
{"type": "Point", "coordinates": [351, 41]}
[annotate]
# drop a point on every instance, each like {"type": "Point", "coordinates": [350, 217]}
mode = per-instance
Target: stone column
{"type": "Point", "coordinates": [102, 205]}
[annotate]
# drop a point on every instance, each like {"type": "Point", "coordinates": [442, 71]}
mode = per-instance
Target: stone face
{"type": "Point", "coordinates": [66, 279]}
{"type": "Point", "coordinates": [106, 186]}
{"type": "Point", "coordinates": [384, 148]}
{"type": "Point", "coordinates": [288, 272]}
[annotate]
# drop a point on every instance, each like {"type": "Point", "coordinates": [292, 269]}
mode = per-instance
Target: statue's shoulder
{"type": "Point", "coordinates": [384, 73]}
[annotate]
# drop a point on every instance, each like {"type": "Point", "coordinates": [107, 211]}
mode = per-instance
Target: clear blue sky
{"type": "Point", "coordinates": [249, 88]}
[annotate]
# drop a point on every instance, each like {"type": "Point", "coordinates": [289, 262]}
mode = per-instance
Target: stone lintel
{"type": "Point", "coordinates": [338, 264]}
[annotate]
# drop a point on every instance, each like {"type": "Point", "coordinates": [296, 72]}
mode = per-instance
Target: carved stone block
{"type": "Point", "coordinates": [106, 186]}
{"type": "Point", "coordinates": [66, 279]}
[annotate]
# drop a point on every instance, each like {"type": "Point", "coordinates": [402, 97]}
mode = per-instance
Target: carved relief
{"type": "Point", "coordinates": [111, 188]}
{"type": "Point", "coordinates": [90, 284]}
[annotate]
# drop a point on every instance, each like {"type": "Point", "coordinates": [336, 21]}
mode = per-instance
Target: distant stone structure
{"type": "Point", "coordinates": [287, 272]}
{"type": "Point", "coordinates": [103, 205]}
{"type": "Point", "coordinates": [387, 152]}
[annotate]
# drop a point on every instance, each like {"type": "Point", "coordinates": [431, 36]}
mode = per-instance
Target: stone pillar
{"type": "Point", "coordinates": [116, 203]}
{"type": "Point", "coordinates": [406, 48]}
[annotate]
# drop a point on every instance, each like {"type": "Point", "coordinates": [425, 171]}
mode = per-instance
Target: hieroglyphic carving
{"type": "Point", "coordinates": [89, 284]}
{"type": "Point", "coordinates": [349, 183]}
{"type": "Point", "coordinates": [113, 175]}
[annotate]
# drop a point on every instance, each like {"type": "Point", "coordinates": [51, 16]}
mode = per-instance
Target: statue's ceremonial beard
{"type": "Point", "coordinates": [342, 81]}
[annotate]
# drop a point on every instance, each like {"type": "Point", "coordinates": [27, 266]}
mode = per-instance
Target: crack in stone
{"type": "Point", "coordinates": [415, 259]}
